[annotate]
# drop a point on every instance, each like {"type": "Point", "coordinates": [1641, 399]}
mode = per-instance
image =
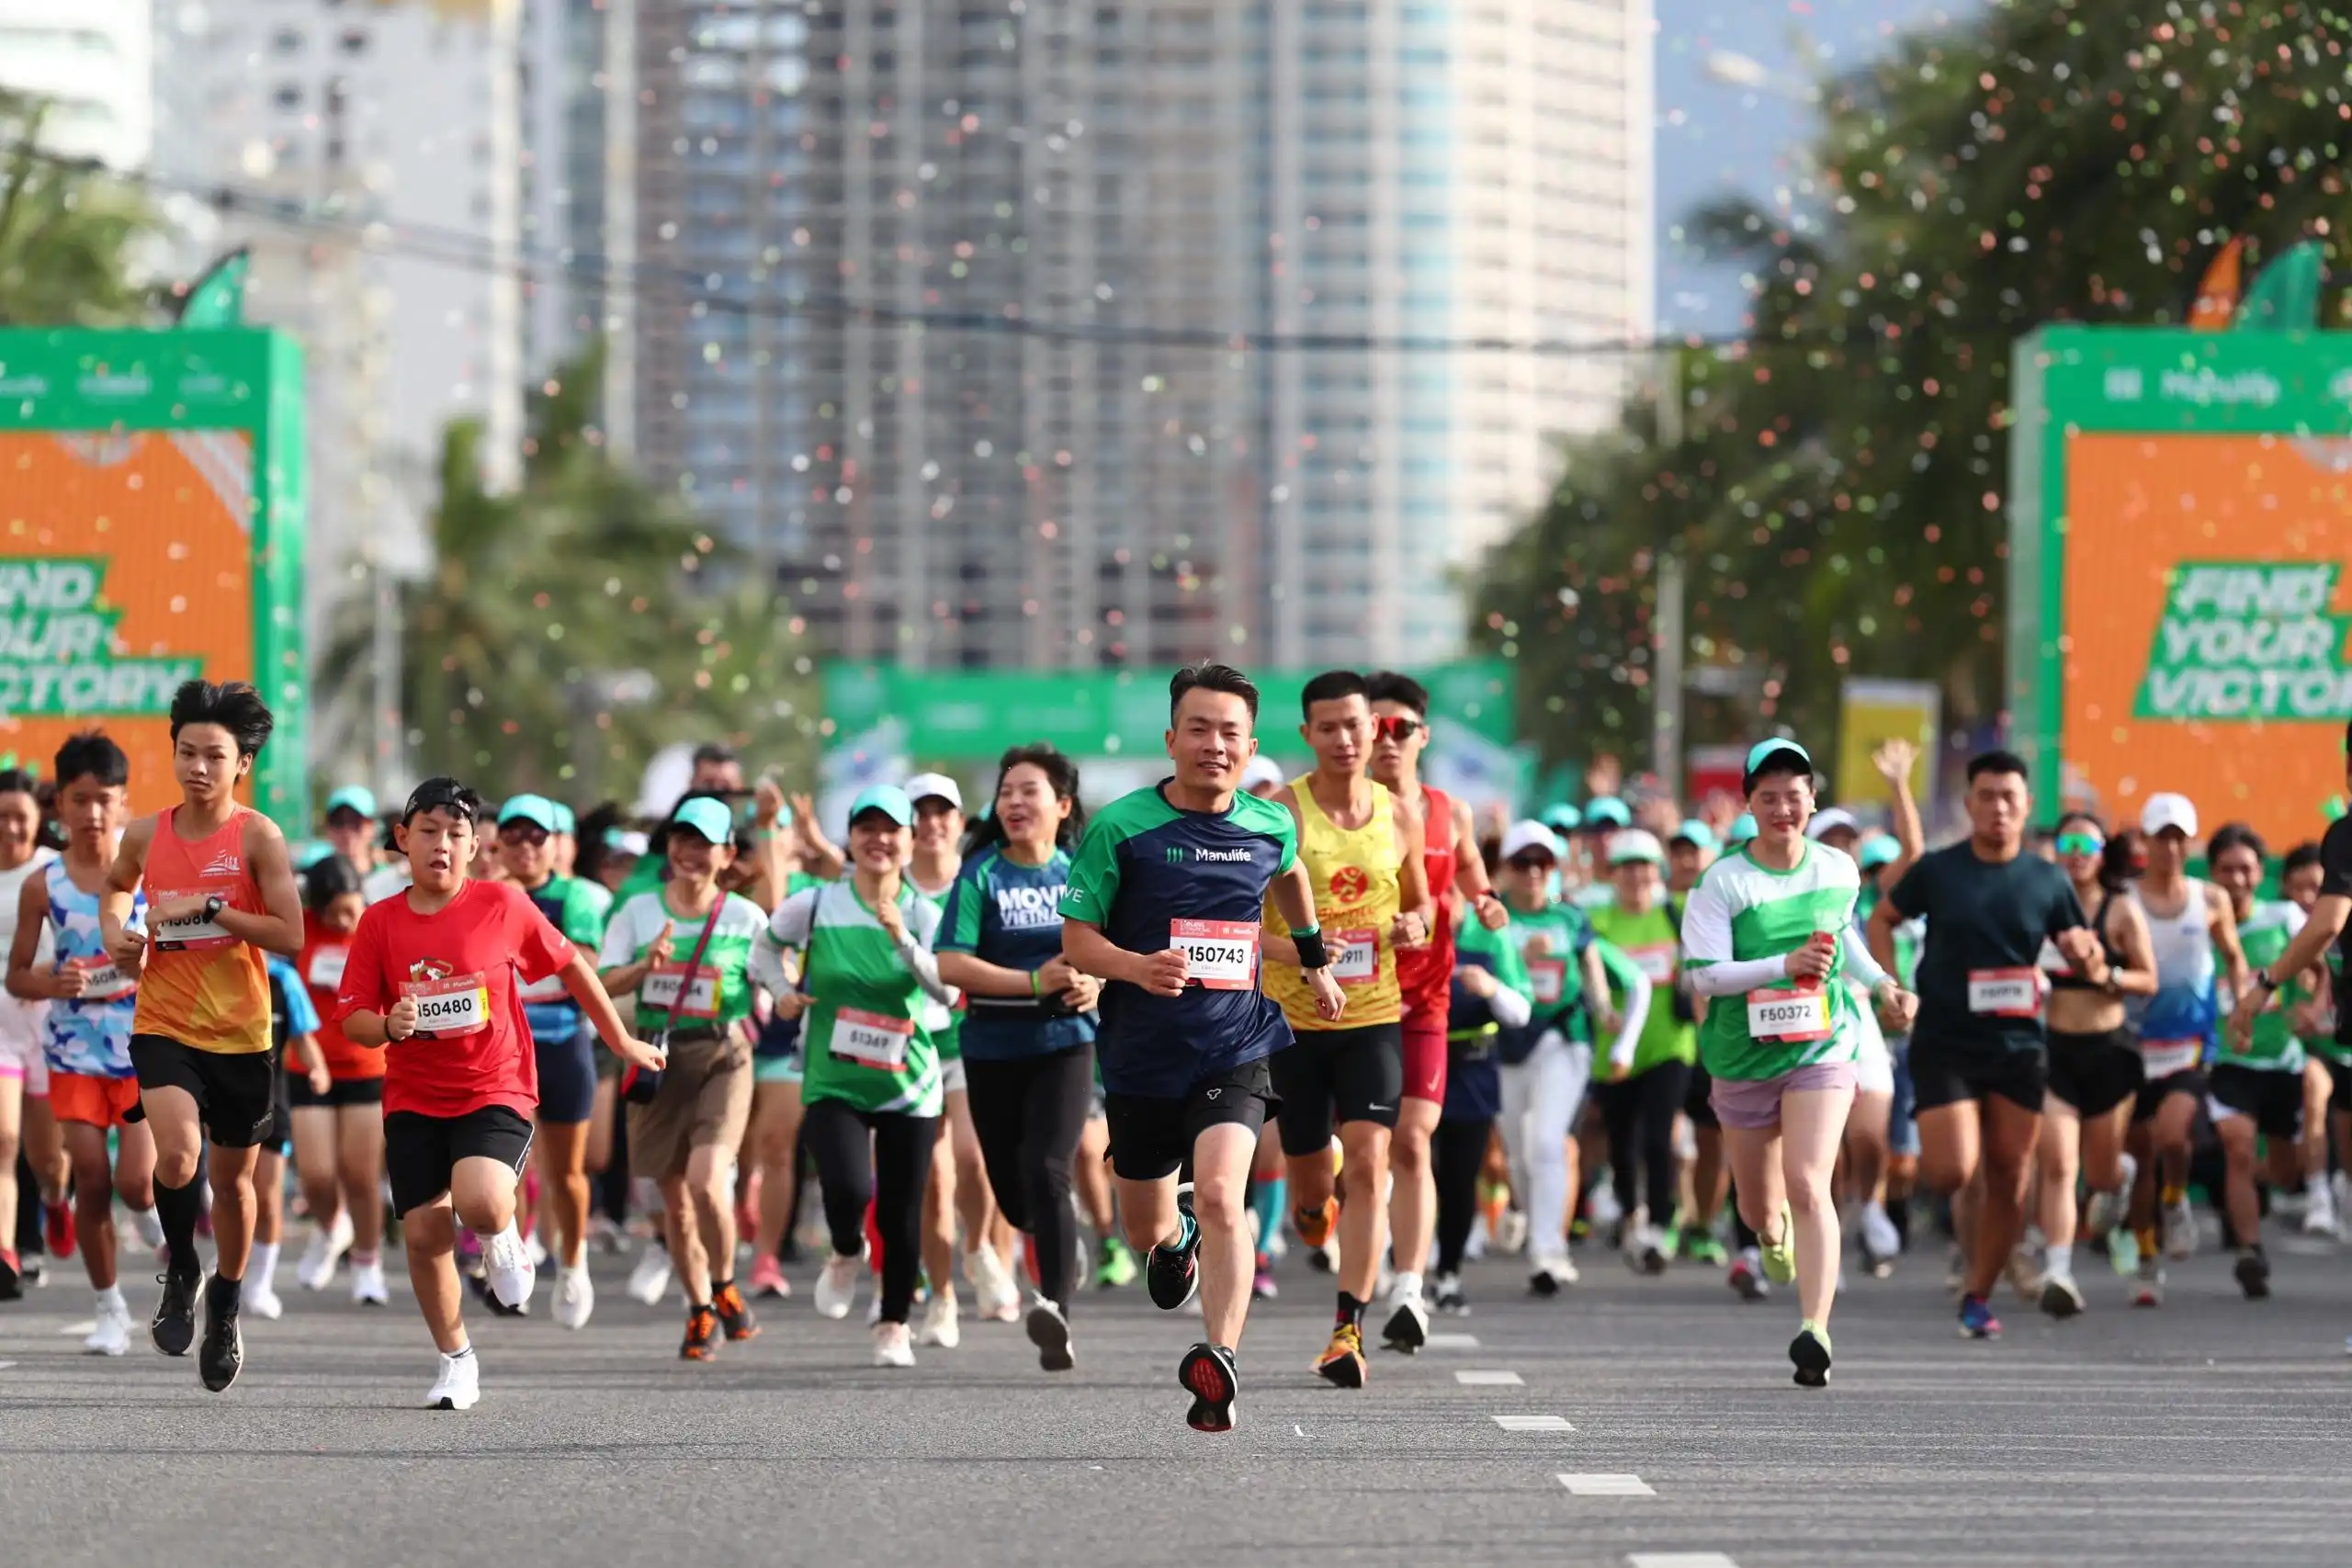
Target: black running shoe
{"type": "Point", "coordinates": [1208, 1373]}
{"type": "Point", "coordinates": [2254, 1275]}
{"type": "Point", "coordinates": [12, 1279]}
{"type": "Point", "coordinates": [1173, 1274]}
{"type": "Point", "coordinates": [1810, 1352]}
{"type": "Point", "coordinates": [174, 1325]}
{"type": "Point", "coordinates": [223, 1354]}
{"type": "Point", "coordinates": [1049, 1331]}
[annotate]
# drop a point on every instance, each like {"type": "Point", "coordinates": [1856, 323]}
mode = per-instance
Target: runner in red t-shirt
{"type": "Point", "coordinates": [339, 1131]}
{"type": "Point", "coordinates": [437, 974]}
{"type": "Point", "coordinates": [1400, 706]}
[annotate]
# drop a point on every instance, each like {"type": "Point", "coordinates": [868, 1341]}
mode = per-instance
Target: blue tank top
{"type": "Point", "coordinates": [2186, 1007]}
{"type": "Point", "coordinates": [90, 1035]}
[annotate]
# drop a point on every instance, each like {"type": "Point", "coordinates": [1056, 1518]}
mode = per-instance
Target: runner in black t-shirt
{"type": "Point", "coordinates": [2323, 931]}
{"type": "Point", "coordinates": [1978, 1061]}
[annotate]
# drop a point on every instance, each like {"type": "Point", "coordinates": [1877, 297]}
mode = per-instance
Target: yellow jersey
{"type": "Point", "coordinates": [1356, 899]}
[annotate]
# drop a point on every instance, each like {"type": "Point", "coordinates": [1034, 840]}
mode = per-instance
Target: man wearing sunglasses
{"type": "Point", "coordinates": [529, 829]}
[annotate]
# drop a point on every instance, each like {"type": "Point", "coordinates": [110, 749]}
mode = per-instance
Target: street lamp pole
{"type": "Point", "coordinates": [1668, 637]}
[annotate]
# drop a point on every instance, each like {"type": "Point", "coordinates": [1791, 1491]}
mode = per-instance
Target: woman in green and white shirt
{"type": "Point", "coordinates": [867, 988]}
{"type": "Point", "coordinates": [1766, 930]}
{"type": "Point", "coordinates": [687, 1137]}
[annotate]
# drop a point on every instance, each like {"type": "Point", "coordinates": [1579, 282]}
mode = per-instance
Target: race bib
{"type": "Point", "coordinates": [1358, 963]}
{"type": "Point", "coordinates": [448, 1008]}
{"type": "Point", "coordinates": [327, 968]}
{"type": "Point", "coordinates": [102, 981]}
{"type": "Point", "coordinates": [1788, 1017]}
{"type": "Point", "coordinates": [2162, 1058]}
{"type": "Point", "coordinates": [1220, 955]}
{"type": "Point", "coordinates": [2005, 993]}
{"type": "Point", "coordinates": [191, 935]}
{"type": "Point", "coordinates": [666, 984]}
{"type": "Point", "coordinates": [872, 1039]}
{"type": "Point", "coordinates": [1549, 977]}
{"type": "Point", "coordinates": [1656, 961]}
{"type": "Point", "coordinates": [549, 990]}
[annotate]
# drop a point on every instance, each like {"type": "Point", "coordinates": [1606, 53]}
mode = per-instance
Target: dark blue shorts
{"type": "Point", "coordinates": [567, 1077]}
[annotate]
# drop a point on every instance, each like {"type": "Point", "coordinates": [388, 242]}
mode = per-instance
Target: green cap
{"type": "Point", "coordinates": [564, 821]}
{"type": "Point", "coordinates": [1742, 829]}
{"type": "Point", "coordinates": [310, 853]}
{"type": "Point", "coordinates": [888, 799]}
{"type": "Point", "coordinates": [1694, 832]}
{"type": "Point", "coordinates": [705, 816]}
{"type": "Point", "coordinates": [1763, 751]}
{"type": "Point", "coordinates": [353, 797]}
{"type": "Point", "coordinates": [537, 809]}
{"type": "Point", "coordinates": [1562, 818]}
{"type": "Point", "coordinates": [1603, 812]}
{"type": "Point", "coordinates": [1878, 850]}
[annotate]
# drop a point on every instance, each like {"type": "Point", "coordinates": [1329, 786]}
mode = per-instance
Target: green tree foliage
{"type": "Point", "coordinates": [567, 631]}
{"type": "Point", "coordinates": [1839, 492]}
{"type": "Point", "coordinates": [68, 232]}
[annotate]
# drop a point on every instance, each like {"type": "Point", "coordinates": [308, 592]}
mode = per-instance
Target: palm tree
{"type": "Point", "coordinates": [67, 231]}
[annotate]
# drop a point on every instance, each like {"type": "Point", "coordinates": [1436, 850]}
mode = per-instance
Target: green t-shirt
{"type": "Point", "coordinates": [1469, 1015]}
{"type": "Point", "coordinates": [1653, 945]}
{"type": "Point", "coordinates": [950, 1033]}
{"type": "Point", "coordinates": [2264, 934]}
{"type": "Point", "coordinates": [1555, 975]}
{"type": "Point", "coordinates": [1742, 911]}
{"type": "Point", "coordinates": [719, 993]}
{"type": "Point", "coordinates": [869, 1038]}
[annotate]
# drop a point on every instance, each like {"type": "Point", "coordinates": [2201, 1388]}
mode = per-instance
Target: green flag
{"type": "Point", "coordinates": [2285, 296]}
{"type": "Point", "coordinates": [218, 298]}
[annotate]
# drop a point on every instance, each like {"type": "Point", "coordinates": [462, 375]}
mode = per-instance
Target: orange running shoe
{"type": "Point", "coordinates": [702, 1336]}
{"type": "Point", "coordinates": [1341, 1363]}
{"type": "Point", "coordinates": [734, 1313]}
{"type": "Point", "coordinates": [1313, 1225]}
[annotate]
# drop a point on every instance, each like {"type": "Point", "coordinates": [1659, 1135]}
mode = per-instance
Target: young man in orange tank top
{"type": "Point", "coordinates": [220, 897]}
{"type": "Point", "coordinates": [1352, 1072]}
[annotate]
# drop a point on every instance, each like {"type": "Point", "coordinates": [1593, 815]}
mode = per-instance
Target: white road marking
{"type": "Point", "coordinates": [1453, 1342]}
{"type": "Point", "coordinates": [88, 1326]}
{"type": "Point", "coordinates": [6, 1365]}
{"type": "Point", "coordinates": [1488, 1378]}
{"type": "Point", "coordinates": [1534, 1423]}
{"type": "Point", "coordinates": [1680, 1560]}
{"type": "Point", "coordinates": [1607, 1485]}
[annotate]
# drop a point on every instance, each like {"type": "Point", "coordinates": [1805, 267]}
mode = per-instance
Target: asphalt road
{"type": "Point", "coordinates": [2213, 1430]}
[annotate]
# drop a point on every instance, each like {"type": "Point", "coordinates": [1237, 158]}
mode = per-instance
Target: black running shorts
{"type": "Point", "coordinates": [1337, 1075]}
{"type": "Point", "coordinates": [1152, 1136]}
{"type": "Point", "coordinates": [1945, 1075]}
{"type": "Point", "coordinates": [235, 1093]}
{"type": "Point", "coordinates": [2094, 1073]}
{"type": "Point", "coordinates": [420, 1151]}
{"type": "Point", "coordinates": [2274, 1100]}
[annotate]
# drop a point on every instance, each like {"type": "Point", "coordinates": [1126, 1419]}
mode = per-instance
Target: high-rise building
{"type": "Point", "coordinates": [91, 62]}
{"type": "Point", "coordinates": [961, 316]}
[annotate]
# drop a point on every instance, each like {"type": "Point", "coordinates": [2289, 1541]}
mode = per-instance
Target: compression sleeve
{"type": "Point", "coordinates": [1510, 1009]}
{"type": "Point", "coordinates": [1729, 979]}
{"type": "Point", "coordinates": [1639, 989]}
{"type": "Point", "coordinates": [1854, 958]}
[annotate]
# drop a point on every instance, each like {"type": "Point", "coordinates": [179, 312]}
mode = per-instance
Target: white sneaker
{"type": "Point", "coordinates": [1601, 1209]}
{"type": "Point", "coordinates": [893, 1345]}
{"type": "Point", "coordinates": [151, 1226]}
{"type": "Point", "coordinates": [997, 1298]}
{"type": "Point", "coordinates": [1550, 1274]}
{"type": "Point", "coordinates": [326, 1248]}
{"type": "Point", "coordinates": [260, 1296]}
{"type": "Point", "coordinates": [512, 1273]}
{"type": "Point", "coordinates": [940, 1325]}
{"type": "Point", "coordinates": [2319, 1219]}
{"type": "Point", "coordinates": [1879, 1234]}
{"type": "Point", "coordinates": [2099, 1214]}
{"type": "Point", "coordinates": [458, 1386]}
{"type": "Point", "coordinates": [2340, 1190]}
{"type": "Point", "coordinates": [575, 1297]}
{"type": "Point", "coordinates": [836, 1291]}
{"type": "Point", "coordinates": [539, 1253]}
{"type": "Point", "coordinates": [650, 1281]}
{"type": "Point", "coordinates": [111, 1335]}
{"type": "Point", "coordinates": [368, 1287]}
{"type": "Point", "coordinates": [2180, 1229]}
{"type": "Point", "coordinates": [1511, 1234]}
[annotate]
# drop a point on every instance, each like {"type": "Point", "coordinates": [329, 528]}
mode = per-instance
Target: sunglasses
{"type": "Point", "coordinates": [530, 833]}
{"type": "Point", "coordinates": [2080, 844]}
{"type": "Point", "coordinates": [1395, 727]}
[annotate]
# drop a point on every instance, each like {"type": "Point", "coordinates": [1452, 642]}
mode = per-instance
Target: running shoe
{"type": "Point", "coordinates": [1956, 1269]}
{"type": "Point", "coordinates": [368, 1287]}
{"type": "Point", "coordinates": [1261, 1284]}
{"type": "Point", "coordinates": [575, 1295]}
{"type": "Point", "coordinates": [1449, 1296]}
{"type": "Point", "coordinates": [57, 1229]}
{"type": "Point", "coordinates": [1600, 1205]}
{"type": "Point", "coordinates": [893, 1345]}
{"type": "Point", "coordinates": [2180, 1228]}
{"type": "Point", "coordinates": [1313, 1225]}
{"type": "Point", "coordinates": [1049, 1331]}
{"type": "Point", "coordinates": [997, 1297]}
{"type": "Point", "coordinates": [1408, 1324]}
{"type": "Point", "coordinates": [2098, 1215]}
{"type": "Point", "coordinates": [12, 1278]}
{"type": "Point", "coordinates": [1976, 1319]}
{"type": "Point", "coordinates": [1746, 1277]}
{"type": "Point", "coordinates": [1341, 1363]}
{"type": "Point", "coordinates": [151, 1227]}
{"type": "Point", "coordinates": [735, 1314]}
{"type": "Point", "coordinates": [508, 1267]}
{"type": "Point", "coordinates": [223, 1354]}
{"type": "Point", "coordinates": [1697, 1247]}
{"type": "Point", "coordinates": [836, 1291]}
{"type": "Point", "coordinates": [1173, 1274]}
{"type": "Point", "coordinates": [2025, 1275]}
{"type": "Point", "coordinates": [110, 1333]}
{"type": "Point", "coordinates": [1882, 1243]}
{"type": "Point", "coordinates": [457, 1384]}
{"type": "Point", "coordinates": [1810, 1353]}
{"type": "Point", "coordinates": [701, 1343]}
{"type": "Point", "coordinates": [1550, 1276]}
{"type": "Point", "coordinates": [768, 1282]}
{"type": "Point", "coordinates": [174, 1325]}
{"type": "Point", "coordinates": [2060, 1297]}
{"type": "Point", "coordinates": [2319, 1219]}
{"type": "Point", "coordinates": [2253, 1273]}
{"type": "Point", "coordinates": [650, 1281]}
{"type": "Point", "coordinates": [1114, 1264]}
{"type": "Point", "coordinates": [262, 1300]}
{"type": "Point", "coordinates": [1648, 1254]}
{"type": "Point", "coordinates": [942, 1322]}
{"type": "Point", "coordinates": [1208, 1373]}
{"type": "Point", "coordinates": [1780, 1257]}
{"type": "Point", "coordinates": [1510, 1231]}
{"type": "Point", "coordinates": [34, 1271]}
{"type": "Point", "coordinates": [2123, 1251]}
{"type": "Point", "coordinates": [327, 1246]}
{"type": "Point", "coordinates": [2150, 1290]}
{"type": "Point", "coordinates": [480, 1284]}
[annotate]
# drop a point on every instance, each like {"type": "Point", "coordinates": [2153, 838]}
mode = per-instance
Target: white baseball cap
{"type": "Point", "coordinates": [934, 787]}
{"type": "Point", "coordinates": [1260, 770]}
{"type": "Point", "coordinates": [1829, 821]}
{"type": "Point", "coordinates": [1530, 835]}
{"type": "Point", "coordinates": [1635, 844]}
{"type": "Point", "coordinates": [2165, 811]}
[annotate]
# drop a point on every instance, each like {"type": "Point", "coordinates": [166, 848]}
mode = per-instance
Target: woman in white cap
{"type": "Point", "coordinates": [1641, 1090]}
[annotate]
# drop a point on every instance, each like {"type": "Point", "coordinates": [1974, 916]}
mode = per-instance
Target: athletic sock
{"type": "Point", "coordinates": [2173, 1193]}
{"type": "Point", "coordinates": [263, 1264]}
{"type": "Point", "coordinates": [1266, 1201]}
{"type": "Point", "coordinates": [461, 1352]}
{"type": "Point", "coordinates": [224, 1296]}
{"type": "Point", "coordinates": [1407, 1286]}
{"type": "Point", "coordinates": [1350, 1313]}
{"type": "Point", "coordinates": [362, 1260]}
{"type": "Point", "coordinates": [720, 1287]}
{"type": "Point", "coordinates": [177, 1207]}
{"type": "Point", "coordinates": [2146, 1236]}
{"type": "Point", "coordinates": [2059, 1259]}
{"type": "Point", "coordinates": [112, 1297]}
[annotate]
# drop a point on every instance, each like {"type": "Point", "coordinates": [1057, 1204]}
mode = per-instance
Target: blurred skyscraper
{"type": "Point", "coordinates": [91, 60]}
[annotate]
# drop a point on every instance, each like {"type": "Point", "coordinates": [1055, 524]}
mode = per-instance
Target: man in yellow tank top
{"type": "Point", "coordinates": [1362, 849]}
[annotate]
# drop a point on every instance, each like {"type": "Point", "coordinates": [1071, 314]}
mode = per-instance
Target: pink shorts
{"type": "Point", "coordinates": [1754, 1104]}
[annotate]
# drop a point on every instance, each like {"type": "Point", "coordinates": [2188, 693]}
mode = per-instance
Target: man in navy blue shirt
{"type": "Point", "coordinates": [1165, 902]}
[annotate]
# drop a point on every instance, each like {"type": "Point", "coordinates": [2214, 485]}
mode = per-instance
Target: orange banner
{"type": "Point", "coordinates": [2207, 622]}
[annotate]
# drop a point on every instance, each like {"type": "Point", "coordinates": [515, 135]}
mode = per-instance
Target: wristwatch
{"type": "Point", "coordinates": [2262, 978]}
{"type": "Point", "coordinates": [213, 906]}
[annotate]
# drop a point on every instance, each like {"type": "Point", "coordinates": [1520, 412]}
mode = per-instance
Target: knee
{"type": "Point", "coordinates": [1409, 1154]}
{"type": "Point", "coordinates": [1808, 1189]}
{"type": "Point", "coordinates": [1944, 1176]}
{"type": "Point", "coordinates": [176, 1168]}
{"type": "Point", "coordinates": [427, 1231]}
{"type": "Point", "coordinates": [1218, 1205]}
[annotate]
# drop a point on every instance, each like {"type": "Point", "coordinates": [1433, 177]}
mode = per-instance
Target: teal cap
{"type": "Point", "coordinates": [311, 854]}
{"type": "Point", "coordinates": [708, 817]}
{"type": "Point", "coordinates": [1603, 813]}
{"type": "Point", "coordinates": [353, 797]}
{"type": "Point", "coordinates": [1562, 818]}
{"type": "Point", "coordinates": [888, 799]}
{"type": "Point", "coordinates": [1879, 849]}
{"type": "Point", "coordinates": [537, 809]}
{"type": "Point", "coordinates": [1742, 829]}
{"type": "Point", "coordinates": [564, 821]}
{"type": "Point", "coordinates": [1694, 832]}
{"type": "Point", "coordinates": [1762, 751]}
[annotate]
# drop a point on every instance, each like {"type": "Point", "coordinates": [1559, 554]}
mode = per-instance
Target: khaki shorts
{"type": "Point", "coordinates": [705, 1098]}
